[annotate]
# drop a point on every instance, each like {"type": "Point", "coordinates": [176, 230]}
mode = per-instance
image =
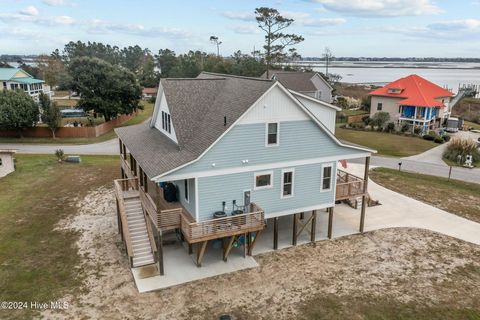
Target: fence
{"type": "Point", "coordinates": [70, 132]}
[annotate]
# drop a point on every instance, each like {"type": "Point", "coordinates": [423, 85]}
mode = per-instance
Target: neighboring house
{"type": "Point", "coordinates": [148, 93]}
{"type": "Point", "coordinates": [413, 100]}
{"type": "Point", "coordinates": [7, 164]}
{"type": "Point", "coordinates": [240, 151]}
{"type": "Point", "coordinates": [308, 83]}
{"type": "Point", "coordinates": [14, 78]}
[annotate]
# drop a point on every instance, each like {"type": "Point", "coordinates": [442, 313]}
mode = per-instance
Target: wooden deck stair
{"type": "Point", "coordinates": [137, 228]}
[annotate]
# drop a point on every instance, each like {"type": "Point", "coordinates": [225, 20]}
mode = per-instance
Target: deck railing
{"type": "Point", "coordinates": [223, 227]}
{"type": "Point", "coordinates": [118, 185]}
{"type": "Point", "coordinates": [348, 186]}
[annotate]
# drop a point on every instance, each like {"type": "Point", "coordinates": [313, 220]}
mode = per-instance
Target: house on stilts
{"type": "Point", "coordinates": [222, 157]}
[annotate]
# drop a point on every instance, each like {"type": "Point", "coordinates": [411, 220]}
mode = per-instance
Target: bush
{"type": "Point", "coordinates": [404, 128]}
{"type": "Point", "coordinates": [60, 155]}
{"type": "Point", "coordinates": [390, 127]}
{"type": "Point", "coordinates": [446, 138]}
{"type": "Point", "coordinates": [380, 118]}
{"type": "Point", "coordinates": [459, 147]}
{"type": "Point", "coordinates": [428, 137]}
{"type": "Point", "coordinates": [358, 125]}
{"type": "Point", "coordinates": [417, 130]}
{"type": "Point", "coordinates": [432, 133]}
{"type": "Point", "coordinates": [366, 120]}
{"type": "Point", "coordinates": [438, 140]}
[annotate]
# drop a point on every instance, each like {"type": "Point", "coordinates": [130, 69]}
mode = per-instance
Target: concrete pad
{"type": "Point", "coordinates": [181, 268]}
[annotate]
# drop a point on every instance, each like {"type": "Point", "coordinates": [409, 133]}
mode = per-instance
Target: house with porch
{"type": "Point", "coordinates": [308, 83]}
{"type": "Point", "coordinates": [15, 78]}
{"type": "Point", "coordinates": [413, 100]}
{"type": "Point", "coordinates": [223, 158]}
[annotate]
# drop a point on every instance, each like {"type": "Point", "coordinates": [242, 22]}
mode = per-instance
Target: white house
{"type": "Point", "coordinates": [308, 83]}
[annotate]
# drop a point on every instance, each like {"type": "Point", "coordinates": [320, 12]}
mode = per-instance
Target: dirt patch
{"type": "Point", "coordinates": [403, 266]}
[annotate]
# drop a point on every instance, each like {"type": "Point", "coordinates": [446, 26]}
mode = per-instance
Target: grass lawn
{"type": "Point", "coordinates": [475, 126]}
{"type": "Point", "coordinates": [66, 103]}
{"type": "Point", "coordinates": [141, 117]}
{"type": "Point", "coordinates": [385, 143]}
{"type": "Point", "coordinates": [457, 197]}
{"type": "Point", "coordinates": [37, 262]}
{"type": "Point", "coordinates": [349, 112]}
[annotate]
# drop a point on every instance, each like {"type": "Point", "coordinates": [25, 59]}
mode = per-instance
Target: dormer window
{"type": "Point", "coordinates": [166, 122]}
{"type": "Point", "coordinates": [395, 90]}
{"type": "Point", "coordinates": [272, 134]}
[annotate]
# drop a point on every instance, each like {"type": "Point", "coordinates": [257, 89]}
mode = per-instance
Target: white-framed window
{"type": "Point", "coordinates": [186, 191]}
{"type": "Point", "coordinates": [288, 178]}
{"type": "Point", "coordinates": [326, 178]}
{"type": "Point", "coordinates": [166, 122]}
{"type": "Point", "coordinates": [379, 106]}
{"type": "Point", "coordinates": [263, 180]}
{"type": "Point", "coordinates": [272, 134]}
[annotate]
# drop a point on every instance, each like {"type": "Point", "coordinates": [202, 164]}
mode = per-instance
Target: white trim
{"type": "Point", "coordinates": [197, 200]}
{"type": "Point", "coordinates": [277, 83]}
{"type": "Point", "coordinates": [266, 135]}
{"type": "Point", "coordinates": [261, 167]}
{"type": "Point", "coordinates": [262, 173]}
{"type": "Point", "coordinates": [326, 165]}
{"type": "Point", "coordinates": [323, 103]}
{"type": "Point", "coordinates": [186, 191]}
{"type": "Point", "coordinates": [296, 210]}
{"type": "Point", "coordinates": [292, 170]}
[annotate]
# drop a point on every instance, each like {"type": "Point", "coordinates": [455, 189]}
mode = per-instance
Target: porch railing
{"type": "Point", "coordinates": [348, 186]}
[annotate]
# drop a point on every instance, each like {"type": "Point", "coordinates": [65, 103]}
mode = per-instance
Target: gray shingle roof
{"type": "Point", "coordinates": [294, 80]}
{"type": "Point", "coordinates": [197, 108]}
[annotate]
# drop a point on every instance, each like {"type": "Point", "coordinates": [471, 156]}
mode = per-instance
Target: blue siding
{"type": "Point", "coordinates": [298, 140]}
{"type": "Point", "coordinates": [214, 190]}
{"type": "Point", "coordinates": [190, 205]}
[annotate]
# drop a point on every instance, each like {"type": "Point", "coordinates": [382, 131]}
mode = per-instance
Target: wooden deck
{"type": "Point", "coordinates": [349, 186]}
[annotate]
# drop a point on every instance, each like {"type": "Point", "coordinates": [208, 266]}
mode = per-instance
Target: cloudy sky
{"type": "Point", "coordinates": [400, 28]}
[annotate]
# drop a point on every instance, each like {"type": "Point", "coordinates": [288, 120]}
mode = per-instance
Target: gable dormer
{"type": "Point", "coordinates": [162, 116]}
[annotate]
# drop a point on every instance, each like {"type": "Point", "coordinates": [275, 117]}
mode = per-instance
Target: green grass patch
{"type": "Point", "coordinates": [37, 262]}
{"type": "Point", "coordinates": [457, 197]}
{"type": "Point", "coordinates": [386, 143]}
{"type": "Point", "coordinates": [474, 125]}
{"type": "Point", "coordinates": [141, 117]}
{"type": "Point", "coordinates": [349, 112]}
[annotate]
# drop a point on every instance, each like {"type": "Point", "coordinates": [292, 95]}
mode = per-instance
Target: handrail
{"type": "Point", "coordinates": [348, 185]}
{"type": "Point", "coordinates": [123, 217]}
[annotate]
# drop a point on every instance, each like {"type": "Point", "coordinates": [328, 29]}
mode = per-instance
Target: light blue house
{"type": "Point", "coordinates": [15, 78]}
{"type": "Point", "coordinates": [236, 152]}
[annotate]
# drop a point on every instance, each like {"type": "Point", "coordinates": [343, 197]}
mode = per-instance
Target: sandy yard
{"type": "Point", "coordinates": [383, 269]}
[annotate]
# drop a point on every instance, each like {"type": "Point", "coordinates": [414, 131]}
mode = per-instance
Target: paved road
{"type": "Point", "coordinates": [103, 148]}
{"type": "Point", "coordinates": [471, 175]}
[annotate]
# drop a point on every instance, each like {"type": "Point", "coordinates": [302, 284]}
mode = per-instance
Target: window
{"type": "Point", "coordinates": [1, 162]}
{"type": "Point", "coordinates": [326, 179]}
{"type": "Point", "coordinates": [185, 187]}
{"type": "Point", "coordinates": [263, 180]}
{"type": "Point", "coordinates": [287, 183]}
{"type": "Point", "coordinates": [379, 106]}
{"type": "Point", "coordinates": [166, 122]}
{"type": "Point", "coordinates": [272, 134]}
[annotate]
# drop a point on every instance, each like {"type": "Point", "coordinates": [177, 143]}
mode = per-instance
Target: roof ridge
{"type": "Point", "coordinates": [235, 76]}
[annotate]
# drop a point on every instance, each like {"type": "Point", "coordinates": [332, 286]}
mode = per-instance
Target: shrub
{"type": "Point", "coordinates": [432, 133]}
{"type": "Point", "coordinates": [446, 138]}
{"type": "Point", "coordinates": [60, 155]}
{"type": "Point", "coordinates": [417, 130]}
{"type": "Point", "coordinates": [358, 125]}
{"type": "Point", "coordinates": [380, 118]}
{"type": "Point", "coordinates": [366, 120]}
{"type": "Point", "coordinates": [390, 127]}
{"type": "Point", "coordinates": [438, 140]}
{"type": "Point", "coordinates": [428, 137]}
{"type": "Point", "coordinates": [404, 127]}
{"type": "Point", "coordinates": [462, 147]}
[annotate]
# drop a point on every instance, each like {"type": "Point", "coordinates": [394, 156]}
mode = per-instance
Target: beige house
{"type": "Point", "coordinates": [413, 100]}
{"type": "Point", "coordinates": [7, 164]}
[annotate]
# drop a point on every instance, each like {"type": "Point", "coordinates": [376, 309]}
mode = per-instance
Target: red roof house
{"type": "Point", "coordinates": [413, 100]}
{"type": "Point", "coordinates": [149, 92]}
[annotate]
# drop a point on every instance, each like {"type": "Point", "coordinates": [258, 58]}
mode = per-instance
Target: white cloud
{"type": "Point", "coordinates": [246, 29]}
{"type": "Point", "coordinates": [54, 3]}
{"type": "Point", "coordinates": [29, 11]}
{"type": "Point", "coordinates": [381, 8]}
{"type": "Point", "coordinates": [243, 15]}
{"type": "Point", "coordinates": [102, 27]}
{"type": "Point", "coordinates": [467, 29]}
{"type": "Point", "coordinates": [48, 21]}
{"type": "Point", "coordinates": [324, 22]}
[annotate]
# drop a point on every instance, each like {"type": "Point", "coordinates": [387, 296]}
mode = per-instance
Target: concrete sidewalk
{"type": "Point", "coordinates": [109, 147]}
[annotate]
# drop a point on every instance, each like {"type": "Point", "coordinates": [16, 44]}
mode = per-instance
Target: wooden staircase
{"type": "Point", "coordinates": [137, 228]}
